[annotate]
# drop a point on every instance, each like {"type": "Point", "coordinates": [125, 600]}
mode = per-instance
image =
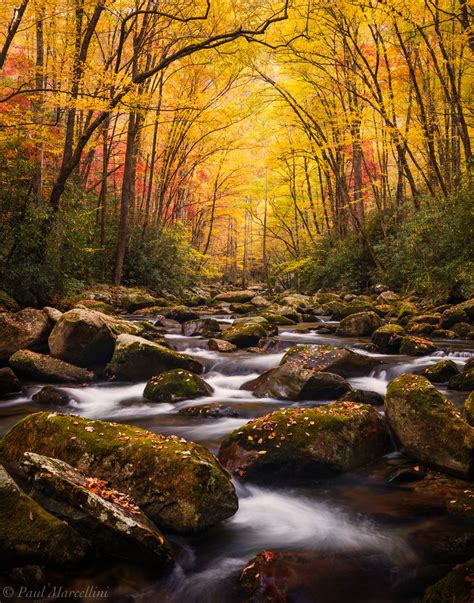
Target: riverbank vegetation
{"type": "Point", "coordinates": [306, 145]}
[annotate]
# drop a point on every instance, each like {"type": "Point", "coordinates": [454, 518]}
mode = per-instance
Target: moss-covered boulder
{"type": "Point", "coordinates": [245, 335]}
{"type": "Point", "coordinates": [110, 520]}
{"type": "Point", "coordinates": [306, 442]}
{"type": "Point", "coordinates": [405, 311]}
{"type": "Point", "coordinates": [293, 382]}
{"type": "Point", "coordinates": [277, 319]}
{"type": "Point", "coordinates": [86, 337]}
{"type": "Point", "coordinates": [388, 297]}
{"type": "Point", "coordinates": [203, 327]}
{"type": "Point", "coordinates": [443, 334]}
{"type": "Point", "coordinates": [137, 359]}
{"type": "Point", "coordinates": [29, 534]}
{"type": "Point", "coordinates": [180, 314]}
{"type": "Point", "coordinates": [332, 359]}
{"type": "Point", "coordinates": [238, 297]}
{"type": "Point", "coordinates": [242, 308]}
{"type": "Point", "coordinates": [52, 396]}
{"type": "Point", "coordinates": [260, 302]}
{"type": "Point", "coordinates": [46, 368]}
{"type": "Point", "coordinates": [363, 396]}
{"type": "Point", "coordinates": [335, 309]}
{"type": "Point", "coordinates": [419, 328]}
{"type": "Point", "coordinates": [388, 338]}
{"type": "Point", "coordinates": [455, 587]}
{"type": "Point", "coordinates": [178, 484]}
{"type": "Point", "coordinates": [461, 329]}
{"type": "Point", "coordinates": [468, 409]}
{"type": "Point", "coordinates": [209, 411]}
{"type": "Point", "coordinates": [361, 324]}
{"type": "Point", "coordinates": [176, 385]}
{"type": "Point", "coordinates": [463, 312]}
{"type": "Point", "coordinates": [7, 302]}
{"type": "Point", "coordinates": [221, 345]}
{"type": "Point", "coordinates": [9, 382]}
{"type": "Point", "coordinates": [441, 371]}
{"type": "Point", "coordinates": [94, 304]}
{"type": "Point", "coordinates": [463, 382]}
{"type": "Point", "coordinates": [429, 427]}
{"type": "Point", "coordinates": [416, 346]}
{"type": "Point", "coordinates": [431, 319]}
{"type": "Point", "coordinates": [28, 328]}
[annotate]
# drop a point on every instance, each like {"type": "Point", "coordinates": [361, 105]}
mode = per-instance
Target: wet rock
{"type": "Point", "coordinates": [388, 338]}
{"type": "Point", "coordinates": [461, 329]}
{"type": "Point", "coordinates": [178, 484]}
{"type": "Point", "coordinates": [245, 335]}
{"type": "Point", "coordinates": [407, 473]}
{"type": "Point", "coordinates": [238, 297]}
{"type": "Point", "coordinates": [270, 329]}
{"type": "Point", "coordinates": [333, 359]}
{"type": "Point", "coordinates": [214, 411]}
{"type": "Point", "coordinates": [203, 327]}
{"type": "Point", "coordinates": [9, 382]}
{"type": "Point", "coordinates": [292, 382]}
{"type": "Point", "coordinates": [28, 328]}
{"type": "Point", "coordinates": [463, 382]}
{"type": "Point", "coordinates": [306, 442]}
{"type": "Point", "coordinates": [46, 368]}
{"type": "Point", "coordinates": [220, 345]}
{"type": "Point", "coordinates": [441, 371]}
{"type": "Point", "coordinates": [456, 587]}
{"type": "Point", "coordinates": [29, 534]}
{"type": "Point", "coordinates": [53, 396]}
{"type": "Point", "coordinates": [416, 346]}
{"type": "Point", "coordinates": [419, 328]}
{"type": "Point", "coordinates": [176, 385]}
{"type": "Point", "coordinates": [86, 337]}
{"type": "Point", "coordinates": [260, 302]}
{"type": "Point", "coordinates": [137, 359]}
{"type": "Point", "coordinates": [107, 518]}
{"type": "Point", "coordinates": [468, 409]}
{"type": "Point", "coordinates": [361, 324]}
{"type": "Point", "coordinates": [443, 334]}
{"type": "Point", "coordinates": [277, 319]}
{"type": "Point", "coordinates": [7, 303]}
{"type": "Point", "coordinates": [363, 396]}
{"type": "Point", "coordinates": [429, 426]}
{"type": "Point", "coordinates": [181, 314]}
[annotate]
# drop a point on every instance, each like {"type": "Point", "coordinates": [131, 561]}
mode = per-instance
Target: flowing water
{"type": "Point", "coordinates": [356, 513]}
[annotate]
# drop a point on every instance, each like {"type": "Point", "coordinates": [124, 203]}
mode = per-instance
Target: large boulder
{"type": "Point", "coordinates": [9, 382]}
{"type": "Point", "coordinates": [388, 338]}
{"type": "Point", "coordinates": [28, 328]}
{"type": "Point", "coordinates": [245, 335]}
{"type": "Point", "coordinates": [221, 345]}
{"type": "Point", "coordinates": [178, 484]}
{"type": "Point", "coordinates": [463, 382]}
{"type": "Point", "coordinates": [416, 346]}
{"type": "Point", "coordinates": [137, 359]}
{"type": "Point", "coordinates": [176, 385]}
{"type": "Point", "coordinates": [361, 324]}
{"type": "Point", "coordinates": [52, 396]}
{"type": "Point", "coordinates": [29, 534]}
{"type": "Point", "coordinates": [277, 319]}
{"type": "Point", "coordinates": [107, 518]}
{"type": "Point", "coordinates": [441, 371]}
{"type": "Point", "coordinates": [46, 368]}
{"type": "Point", "coordinates": [332, 359]}
{"type": "Point", "coordinates": [292, 382]}
{"type": "Point", "coordinates": [306, 442]}
{"type": "Point", "coordinates": [235, 296]}
{"type": "Point", "coordinates": [260, 302]}
{"type": "Point", "coordinates": [463, 312]}
{"type": "Point", "coordinates": [204, 327]}
{"type": "Point", "coordinates": [429, 426]}
{"type": "Point", "coordinates": [180, 314]}
{"type": "Point", "coordinates": [87, 337]}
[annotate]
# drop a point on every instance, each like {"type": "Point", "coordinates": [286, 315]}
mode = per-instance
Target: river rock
{"type": "Point", "coordinates": [235, 296]}
{"type": "Point", "coordinates": [363, 396]}
{"type": "Point", "coordinates": [388, 338]}
{"type": "Point", "coordinates": [53, 396]}
{"type": "Point", "coordinates": [419, 328]}
{"type": "Point", "coordinates": [245, 335]}
{"type": "Point", "coordinates": [293, 382]}
{"type": "Point", "coordinates": [306, 442]}
{"type": "Point", "coordinates": [181, 314]}
{"type": "Point", "coordinates": [335, 309]}
{"type": "Point", "coordinates": [107, 518]}
{"type": "Point", "coordinates": [178, 484]}
{"type": "Point", "coordinates": [94, 304]}
{"type": "Point", "coordinates": [176, 385]}
{"type": "Point", "coordinates": [429, 426]}
{"type": "Point", "coordinates": [86, 337]}
{"type": "Point", "coordinates": [260, 302]}
{"type": "Point", "coordinates": [137, 359]}
{"type": "Point", "coordinates": [441, 371]}
{"type": "Point", "coordinates": [416, 346]}
{"type": "Point", "coordinates": [361, 324]}
{"type": "Point", "coordinates": [463, 382]}
{"type": "Point", "coordinates": [332, 359]}
{"type": "Point", "coordinates": [53, 314]}
{"type": "Point", "coordinates": [214, 411]}
{"type": "Point", "coordinates": [271, 330]}
{"type": "Point", "coordinates": [28, 328]}
{"type": "Point", "coordinates": [443, 334]}
{"type": "Point", "coordinates": [9, 382]}
{"type": "Point", "coordinates": [221, 345]}
{"type": "Point", "coordinates": [204, 327]}
{"type": "Point", "coordinates": [455, 587]}
{"type": "Point", "coordinates": [29, 534]}
{"type": "Point", "coordinates": [463, 312]}
{"type": "Point", "coordinates": [277, 319]}
{"type": "Point", "coordinates": [46, 368]}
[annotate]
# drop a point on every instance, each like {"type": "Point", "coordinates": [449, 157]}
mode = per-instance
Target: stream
{"type": "Point", "coordinates": [354, 513]}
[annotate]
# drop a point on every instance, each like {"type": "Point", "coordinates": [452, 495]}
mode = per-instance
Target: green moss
{"type": "Point", "coordinates": [416, 346]}
{"type": "Point", "coordinates": [176, 385]}
{"type": "Point", "coordinates": [456, 587]}
{"type": "Point", "coordinates": [440, 372]}
{"type": "Point", "coordinates": [277, 319]}
{"type": "Point", "coordinates": [463, 382]}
